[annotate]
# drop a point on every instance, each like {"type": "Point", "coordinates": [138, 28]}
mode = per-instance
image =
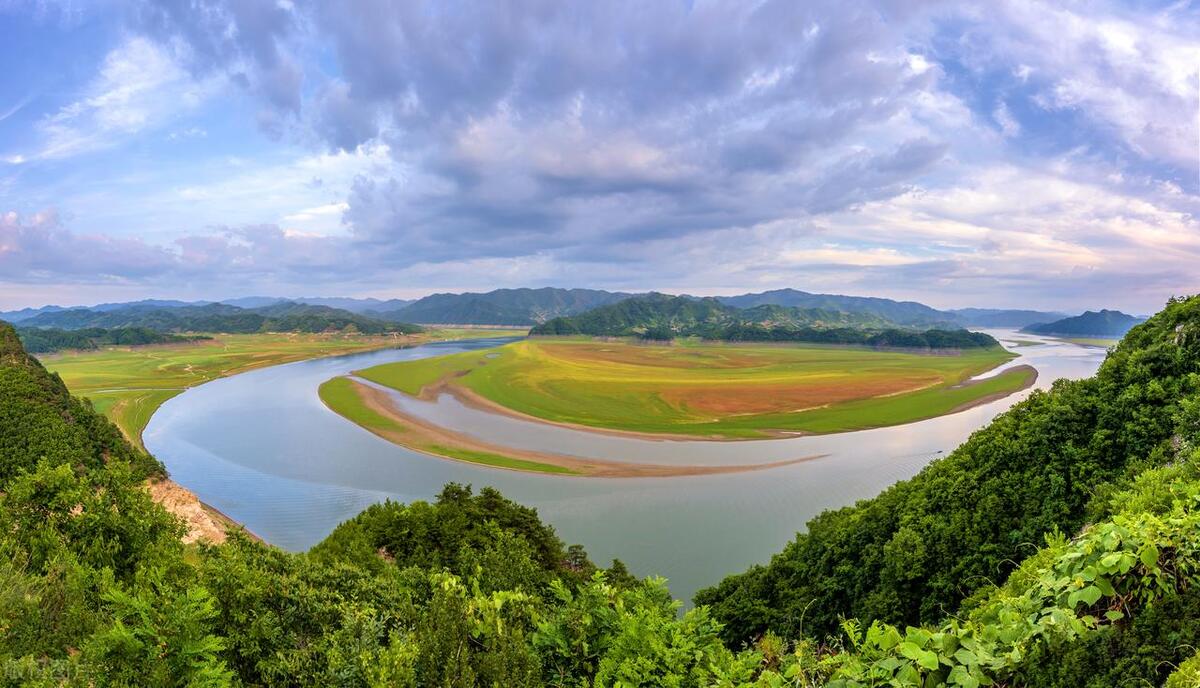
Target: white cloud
{"type": "Point", "coordinates": [1004, 119]}
{"type": "Point", "coordinates": [839, 255]}
{"type": "Point", "coordinates": [707, 146]}
{"type": "Point", "coordinates": [139, 87]}
{"type": "Point", "coordinates": [15, 107]}
{"type": "Point", "coordinates": [1136, 76]}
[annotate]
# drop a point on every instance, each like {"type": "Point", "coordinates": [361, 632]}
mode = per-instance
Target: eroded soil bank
{"type": "Point", "coordinates": [420, 435]}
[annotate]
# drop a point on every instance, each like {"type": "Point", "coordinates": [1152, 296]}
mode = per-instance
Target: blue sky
{"type": "Point", "coordinates": [1015, 153]}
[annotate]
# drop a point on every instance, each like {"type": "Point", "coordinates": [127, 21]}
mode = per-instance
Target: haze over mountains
{"type": "Point", "coordinates": [1105, 323]}
{"type": "Point", "coordinates": [526, 307]}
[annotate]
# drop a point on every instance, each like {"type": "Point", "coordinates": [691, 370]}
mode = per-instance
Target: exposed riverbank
{"type": "Point", "coordinates": [372, 408]}
{"type": "Point", "coordinates": [205, 523]}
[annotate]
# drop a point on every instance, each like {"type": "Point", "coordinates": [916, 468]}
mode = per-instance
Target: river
{"type": "Point", "coordinates": [262, 448]}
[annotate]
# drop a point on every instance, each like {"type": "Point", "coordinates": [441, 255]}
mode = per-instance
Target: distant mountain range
{"type": "Point", "coordinates": [360, 306]}
{"type": "Point", "coordinates": [503, 306]}
{"type": "Point", "coordinates": [686, 315]}
{"type": "Point", "coordinates": [528, 307]}
{"type": "Point", "coordinates": [286, 316]}
{"type": "Point", "coordinates": [908, 313]}
{"type": "Point", "coordinates": [997, 317]}
{"type": "Point", "coordinates": [1104, 323]}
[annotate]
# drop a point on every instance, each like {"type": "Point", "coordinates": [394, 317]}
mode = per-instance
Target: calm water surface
{"type": "Point", "coordinates": [262, 448]}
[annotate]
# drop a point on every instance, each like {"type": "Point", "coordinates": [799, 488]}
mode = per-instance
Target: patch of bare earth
{"type": "Point", "coordinates": [752, 399]}
{"type": "Point", "coordinates": [654, 356]}
{"type": "Point", "coordinates": [204, 523]}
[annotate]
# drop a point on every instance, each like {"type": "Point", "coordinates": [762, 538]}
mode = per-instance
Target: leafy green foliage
{"type": "Point", "coordinates": [1187, 675]}
{"type": "Point", "coordinates": [41, 422]}
{"type": "Point", "coordinates": [458, 533]}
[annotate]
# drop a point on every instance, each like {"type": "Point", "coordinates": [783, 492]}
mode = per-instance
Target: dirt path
{"type": "Point", "coordinates": [420, 435]}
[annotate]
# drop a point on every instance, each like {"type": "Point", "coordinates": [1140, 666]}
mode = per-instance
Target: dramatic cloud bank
{"type": "Point", "coordinates": [1019, 153]}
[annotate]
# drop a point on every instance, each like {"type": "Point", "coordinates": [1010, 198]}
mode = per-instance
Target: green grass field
{"type": "Point", "coordinates": [1101, 342]}
{"type": "Point", "coordinates": [339, 395]}
{"type": "Point", "coordinates": [128, 384]}
{"type": "Point", "coordinates": [734, 391]}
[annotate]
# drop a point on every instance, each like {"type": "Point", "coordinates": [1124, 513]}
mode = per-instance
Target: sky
{"type": "Point", "coordinates": [1014, 153]}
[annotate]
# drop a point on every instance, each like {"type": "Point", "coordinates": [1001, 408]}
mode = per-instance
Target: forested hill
{"type": "Point", "coordinates": [1049, 465]}
{"type": "Point", "coordinates": [906, 313]}
{"type": "Point", "coordinates": [48, 340]}
{"type": "Point", "coordinates": [96, 588]}
{"type": "Point", "coordinates": [501, 306]}
{"type": "Point", "coordinates": [661, 317]}
{"type": "Point", "coordinates": [1104, 323]}
{"type": "Point", "coordinates": [279, 317]}
{"type": "Point", "coordinates": [40, 422]}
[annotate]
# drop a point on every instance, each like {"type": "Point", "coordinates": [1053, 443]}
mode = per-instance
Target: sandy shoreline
{"type": "Point", "coordinates": [419, 435]}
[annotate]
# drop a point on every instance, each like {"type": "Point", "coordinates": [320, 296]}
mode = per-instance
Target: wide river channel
{"type": "Point", "coordinates": [262, 448]}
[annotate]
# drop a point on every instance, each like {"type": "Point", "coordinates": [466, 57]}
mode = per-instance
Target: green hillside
{"type": "Point", "coordinates": [662, 317]}
{"type": "Point", "coordinates": [216, 317]}
{"type": "Point", "coordinates": [502, 306]}
{"type": "Point", "coordinates": [907, 313]}
{"type": "Point", "coordinates": [51, 339]}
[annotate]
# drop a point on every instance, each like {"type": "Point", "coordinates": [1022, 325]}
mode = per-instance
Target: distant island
{"type": "Point", "coordinates": [1104, 323]}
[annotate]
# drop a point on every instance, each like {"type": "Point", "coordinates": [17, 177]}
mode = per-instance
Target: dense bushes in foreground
{"type": "Point", "coordinates": [473, 590]}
